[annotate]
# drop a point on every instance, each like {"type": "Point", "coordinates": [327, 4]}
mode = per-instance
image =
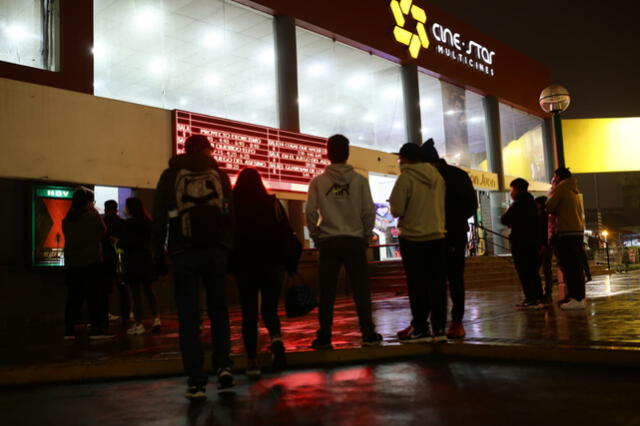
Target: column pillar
{"type": "Point", "coordinates": [495, 165]}
{"type": "Point", "coordinates": [411, 95]}
{"type": "Point", "coordinates": [549, 148]}
{"type": "Point", "coordinates": [286, 73]}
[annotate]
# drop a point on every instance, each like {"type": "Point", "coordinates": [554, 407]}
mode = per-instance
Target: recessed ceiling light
{"type": "Point", "coordinates": [16, 32]}
{"type": "Point", "coordinates": [183, 101]}
{"type": "Point", "coordinates": [476, 119]}
{"type": "Point", "coordinates": [369, 118]}
{"type": "Point", "coordinates": [212, 39]}
{"type": "Point", "coordinates": [304, 101]}
{"type": "Point", "coordinates": [391, 92]}
{"type": "Point", "coordinates": [148, 18]}
{"type": "Point", "coordinates": [261, 90]}
{"type": "Point", "coordinates": [211, 79]}
{"type": "Point", "coordinates": [158, 66]}
{"type": "Point", "coordinates": [266, 56]}
{"type": "Point", "coordinates": [357, 81]}
{"type": "Point", "coordinates": [338, 109]}
{"type": "Point", "coordinates": [398, 125]}
{"type": "Point", "coordinates": [317, 69]}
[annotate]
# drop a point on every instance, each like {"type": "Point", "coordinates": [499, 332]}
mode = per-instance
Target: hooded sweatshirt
{"type": "Point", "coordinates": [565, 203]}
{"type": "Point", "coordinates": [165, 202]}
{"type": "Point", "coordinates": [417, 199]}
{"type": "Point", "coordinates": [339, 204]}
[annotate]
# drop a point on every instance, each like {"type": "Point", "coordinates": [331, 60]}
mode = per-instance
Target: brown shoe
{"type": "Point", "coordinates": [456, 330]}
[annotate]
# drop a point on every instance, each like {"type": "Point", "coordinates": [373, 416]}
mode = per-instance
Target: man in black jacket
{"type": "Point", "coordinates": [194, 201]}
{"type": "Point", "coordinates": [522, 218]}
{"type": "Point", "coordinates": [461, 203]}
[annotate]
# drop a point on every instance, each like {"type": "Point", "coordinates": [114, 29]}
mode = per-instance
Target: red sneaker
{"type": "Point", "coordinates": [456, 330]}
{"type": "Point", "coordinates": [404, 334]}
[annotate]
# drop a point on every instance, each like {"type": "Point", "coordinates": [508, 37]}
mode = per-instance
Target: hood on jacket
{"type": "Point", "coordinates": [570, 184]}
{"type": "Point", "coordinates": [422, 172]}
{"type": "Point", "coordinates": [341, 174]}
{"type": "Point", "coordinates": [193, 162]}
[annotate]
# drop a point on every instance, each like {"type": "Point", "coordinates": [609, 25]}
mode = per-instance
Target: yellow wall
{"type": "Point", "coordinates": [53, 134]}
{"type": "Point", "coordinates": [602, 144]}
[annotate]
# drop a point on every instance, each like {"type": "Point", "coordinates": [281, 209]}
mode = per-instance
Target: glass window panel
{"type": "Point", "coordinates": [345, 90]}
{"type": "Point", "coordinates": [522, 144]}
{"type": "Point", "coordinates": [206, 56]}
{"type": "Point", "coordinates": [454, 118]}
{"type": "Point", "coordinates": [29, 33]}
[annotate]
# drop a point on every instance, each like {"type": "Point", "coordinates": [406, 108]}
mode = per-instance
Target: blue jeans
{"type": "Point", "coordinates": [192, 267]}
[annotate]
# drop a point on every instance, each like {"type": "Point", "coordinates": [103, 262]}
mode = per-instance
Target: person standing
{"type": "Point", "coordinates": [84, 231]}
{"type": "Point", "coordinates": [340, 217]}
{"type": "Point", "coordinates": [138, 263]}
{"type": "Point", "coordinates": [546, 251]}
{"type": "Point", "coordinates": [522, 218]}
{"type": "Point", "coordinates": [418, 200]}
{"type": "Point", "coordinates": [460, 203]}
{"type": "Point", "coordinates": [115, 225]}
{"type": "Point", "coordinates": [193, 203]}
{"type": "Point", "coordinates": [260, 224]}
{"type": "Point", "coordinates": [564, 201]}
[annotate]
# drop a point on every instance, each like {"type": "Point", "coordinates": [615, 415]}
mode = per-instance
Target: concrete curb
{"type": "Point", "coordinates": [171, 364]}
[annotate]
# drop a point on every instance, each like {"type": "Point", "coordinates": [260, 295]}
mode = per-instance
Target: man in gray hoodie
{"type": "Point", "coordinates": [340, 217]}
{"type": "Point", "coordinates": [418, 199]}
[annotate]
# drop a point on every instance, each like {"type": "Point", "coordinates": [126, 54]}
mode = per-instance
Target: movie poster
{"type": "Point", "coordinates": [49, 206]}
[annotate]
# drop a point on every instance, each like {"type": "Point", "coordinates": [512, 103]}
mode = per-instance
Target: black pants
{"type": "Point", "coordinates": [266, 281]}
{"type": "Point", "coordinates": [84, 284]}
{"type": "Point", "coordinates": [571, 260]}
{"type": "Point", "coordinates": [137, 286]}
{"type": "Point", "coordinates": [547, 270]}
{"type": "Point", "coordinates": [527, 261]}
{"type": "Point", "coordinates": [456, 246]}
{"type": "Point", "coordinates": [350, 252]}
{"type": "Point", "coordinates": [425, 265]}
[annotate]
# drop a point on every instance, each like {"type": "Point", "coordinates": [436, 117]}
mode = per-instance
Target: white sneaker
{"type": "Point", "coordinates": [136, 329]}
{"type": "Point", "coordinates": [113, 317]}
{"type": "Point", "coordinates": [573, 305]}
{"type": "Point", "coordinates": [157, 322]}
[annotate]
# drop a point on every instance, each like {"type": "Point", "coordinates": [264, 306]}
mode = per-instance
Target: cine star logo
{"type": "Point", "coordinates": [415, 40]}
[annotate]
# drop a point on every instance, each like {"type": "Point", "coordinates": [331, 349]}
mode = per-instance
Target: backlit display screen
{"type": "Point", "coordinates": [50, 205]}
{"type": "Point", "coordinates": [286, 160]}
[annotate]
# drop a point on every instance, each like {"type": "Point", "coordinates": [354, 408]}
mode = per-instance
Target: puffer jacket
{"type": "Point", "coordinates": [565, 202]}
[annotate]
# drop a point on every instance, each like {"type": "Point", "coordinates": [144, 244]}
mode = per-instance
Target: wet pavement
{"type": "Point", "coordinates": [420, 392]}
{"type": "Point", "coordinates": [611, 321]}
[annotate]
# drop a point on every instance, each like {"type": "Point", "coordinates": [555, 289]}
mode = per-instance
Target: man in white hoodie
{"type": "Point", "coordinates": [417, 199]}
{"type": "Point", "coordinates": [340, 217]}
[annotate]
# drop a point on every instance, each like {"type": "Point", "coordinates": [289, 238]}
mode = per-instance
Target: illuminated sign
{"type": "Point", "coordinates": [286, 160]}
{"type": "Point", "coordinates": [447, 41]}
{"type": "Point", "coordinates": [49, 206]}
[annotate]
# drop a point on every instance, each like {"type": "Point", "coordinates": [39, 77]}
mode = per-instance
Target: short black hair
{"type": "Point", "coordinates": [563, 173]}
{"type": "Point", "coordinates": [338, 149]}
{"type": "Point", "coordinates": [196, 144]}
{"type": "Point", "coordinates": [110, 206]}
{"type": "Point", "coordinates": [519, 184]}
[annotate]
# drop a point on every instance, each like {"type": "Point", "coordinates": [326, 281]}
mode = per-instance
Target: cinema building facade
{"type": "Point", "coordinates": [103, 92]}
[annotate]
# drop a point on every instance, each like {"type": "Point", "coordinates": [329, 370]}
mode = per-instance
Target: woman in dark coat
{"type": "Point", "coordinates": [84, 230]}
{"type": "Point", "coordinates": [138, 262]}
{"type": "Point", "coordinates": [261, 223]}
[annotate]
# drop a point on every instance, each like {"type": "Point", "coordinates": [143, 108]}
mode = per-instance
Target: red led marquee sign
{"type": "Point", "coordinates": [287, 161]}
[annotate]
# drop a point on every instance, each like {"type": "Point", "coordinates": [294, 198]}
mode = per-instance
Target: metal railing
{"type": "Point", "coordinates": [479, 239]}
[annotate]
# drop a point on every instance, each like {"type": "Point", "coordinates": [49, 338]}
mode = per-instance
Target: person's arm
{"type": "Point", "coordinates": [509, 216]}
{"type": "Point", "coordinates": [553, 202]}
{"type": "Point", "coordinates": [312, 214]}
{"type": "Point", "coordinates": [399, 196]}
{"type": "Point", "coordinates": [367, 211]}
{"type": "Point", "coordinates": [160, 213]}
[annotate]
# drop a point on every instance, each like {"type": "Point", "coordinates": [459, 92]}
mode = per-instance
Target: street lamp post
{"type": "Point", "coordinates": [555, 99]}
{"type": "Point", "coordinates": [605, 234]}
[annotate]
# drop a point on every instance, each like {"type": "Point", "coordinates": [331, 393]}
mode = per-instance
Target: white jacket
{"type": "Point", "coordinates": [339, 203]}
{"type": "Point", "coordinates": [417, 199]}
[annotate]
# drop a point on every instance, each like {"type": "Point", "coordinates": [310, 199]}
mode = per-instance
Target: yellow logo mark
{"type": "Point", "coordinates": [415, 41]}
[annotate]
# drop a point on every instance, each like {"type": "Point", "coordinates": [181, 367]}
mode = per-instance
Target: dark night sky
{"type": "Point", "coordinates": [590, 47]}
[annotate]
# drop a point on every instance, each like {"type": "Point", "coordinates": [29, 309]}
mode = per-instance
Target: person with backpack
{"type": "Point", "coordinates": [139, 271]}
{"type": "Point", "coordinates": [194, 205]}
{"type": "Point", "coordinates": [261, 227]}
{"type": "Point", "coordinates": [418, 200]}
{"type": "Point", "coordinates": [340, 217]}
{"type": "Point", "coordinates": [83, 231]}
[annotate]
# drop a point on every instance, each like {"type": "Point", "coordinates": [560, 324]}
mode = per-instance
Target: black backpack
{"type": "Point", "coordinates": [201, 206]}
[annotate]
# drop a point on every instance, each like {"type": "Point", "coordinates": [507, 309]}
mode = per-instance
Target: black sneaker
{"type": "Point", "coordinates": [277, 354]}
{"type": "Point", "coordinates": [225, 380]}
{"type": "Point", "coordinates": [321, 344]}
{"type": "Point", "coordinates": [417, 337]}
{"type": "Point", "coordinates": [196, 393]}
{"type": "Point", "coordinates": [373, 340]}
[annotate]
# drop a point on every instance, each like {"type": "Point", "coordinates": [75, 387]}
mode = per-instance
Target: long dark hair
{"type": "Point", "coordinates": [249, 189]}
{"type": "Point", "coordinates": [136, 209]}
{"type": "Point", "coordinates": [82, 198]}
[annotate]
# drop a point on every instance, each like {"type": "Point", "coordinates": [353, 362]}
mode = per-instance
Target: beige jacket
{"type": "Point", "coordinates": [417, 199]}
{"type": "Point", "coordinates": [565, 203]}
